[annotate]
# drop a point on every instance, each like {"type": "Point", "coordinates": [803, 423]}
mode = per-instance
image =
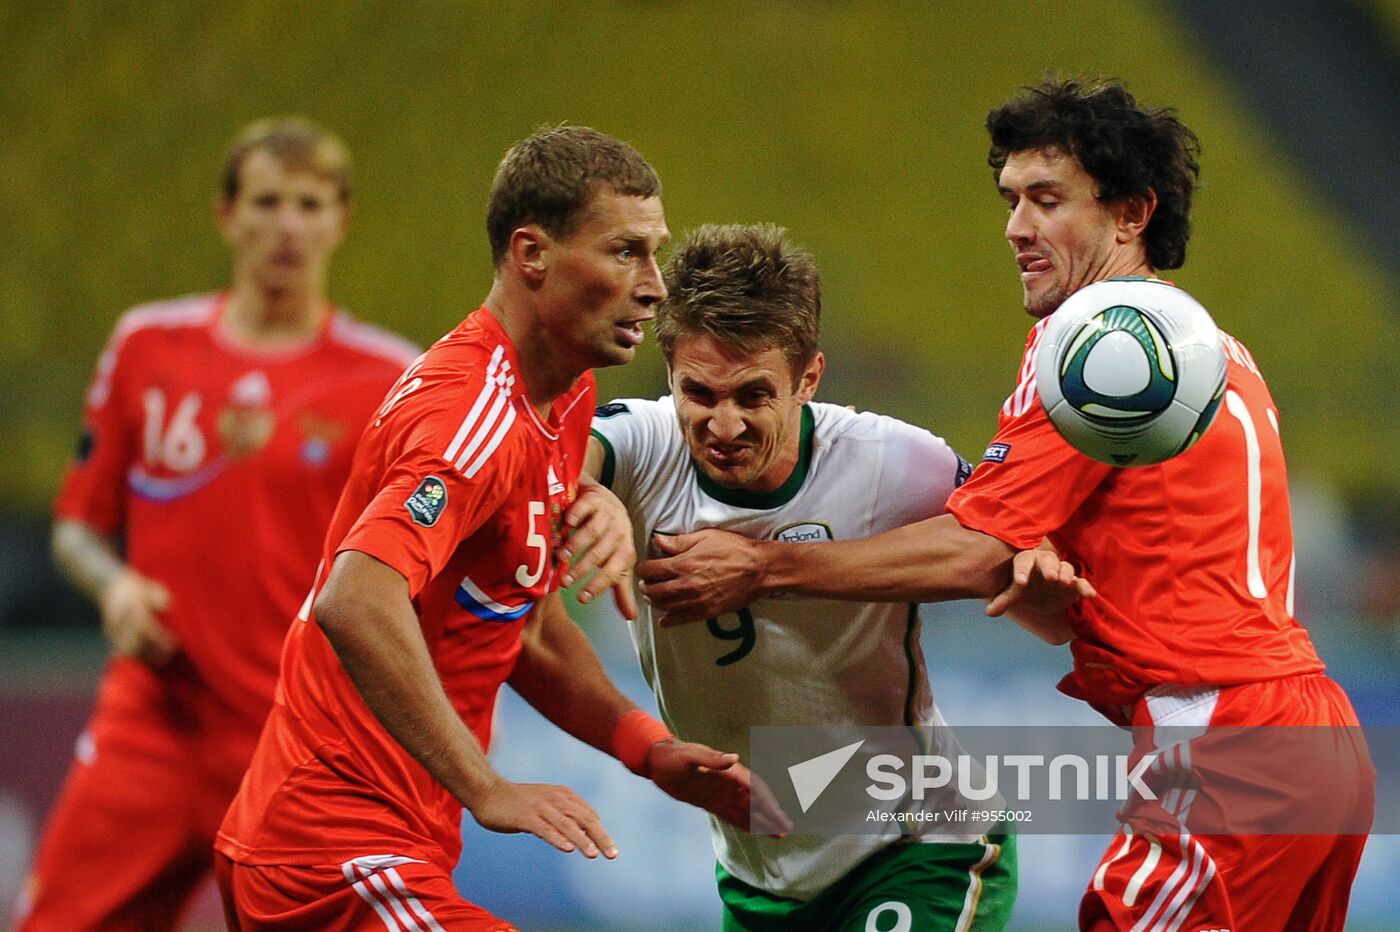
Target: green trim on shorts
{"type": "Point", "coordinates": [919, 886]}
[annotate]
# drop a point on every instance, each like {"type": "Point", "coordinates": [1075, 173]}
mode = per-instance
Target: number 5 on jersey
{"type": "Point", "coordinates": [533, 538]}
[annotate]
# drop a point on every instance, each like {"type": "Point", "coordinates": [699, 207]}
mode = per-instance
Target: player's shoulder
{"type": "Point", "coordinates": [869, 440]}
{"type": "Point", "coordinates": [464, 362]}
{"type": "Point", "coordinates": [1236, 352]}
{"type": "Point", "coordinates": [462, 397]}
{"type": "Point", "coordinates": [641, 439]}
{"type": "Point", "coordinates": [169, 316]}
{"type": "Point", "coordinates": [368, 340]}
{"type": "Point", "coordinates": [630, 411]}
{"type": "Point", "coordinates": [638, 427]}
{"type": "Point", "coordinates": [836, 424]}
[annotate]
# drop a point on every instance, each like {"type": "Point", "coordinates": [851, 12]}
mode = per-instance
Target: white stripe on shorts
{"type": "Point", "coordinates": [377, 880]}
{"type": "Point", "coordinates": [974, 887]}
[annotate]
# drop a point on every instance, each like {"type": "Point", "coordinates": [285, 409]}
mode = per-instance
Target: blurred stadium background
{"type": "Point", "coordinates": [857, 126]}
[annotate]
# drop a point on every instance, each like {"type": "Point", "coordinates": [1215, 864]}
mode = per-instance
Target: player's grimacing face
{"type": "Point", "coordinates": [284, 225]}
{"type": "Point", "coordinates": [603, 279]}
{"type": "Point", "coordinates": [740, 414]}
{"type": "Point", "coordinates": [1062, 235]}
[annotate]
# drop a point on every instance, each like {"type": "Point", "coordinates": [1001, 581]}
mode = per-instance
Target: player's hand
{"type": "Point", "coordinates": [1041, 582]}
{"type": "Point", "coordinates": [717, 783]}
{"type": "Point", "coordinates": [600, 538]}
{"type": "Point", "coordinates": [130, 607]}
{"type": "Point", "coordinates": [553, 813]}
{"type": "Point", "coordinates": [701, 575]}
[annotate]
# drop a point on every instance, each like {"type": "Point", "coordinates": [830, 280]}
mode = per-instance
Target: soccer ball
{"type": "Point", "coordinates": [1131, 371]}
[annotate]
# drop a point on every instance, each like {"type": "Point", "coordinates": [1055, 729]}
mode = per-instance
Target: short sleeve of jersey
{"type": "Point", "coordinates": [93, 487]}
{"type": "Point", "coordinates": [920, 471]}
{"type": "Point", "coordinates": [637, 436]}
{"type": "Point", "coordinates": [1029, 483]}
{"type": "Point", "coordinates": [425, 505]}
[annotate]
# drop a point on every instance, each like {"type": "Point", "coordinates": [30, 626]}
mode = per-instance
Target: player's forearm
{"type": "Point", "coordinates": [931, 561]}
{"type": "Point", "coordinates": [1052, 628]}
{"type": "Point", "coordinates": [559, 674]}
{"type": "Point", "coordinates": [380, 644]}
{"type": "Point", "coordinates": [85, 557]}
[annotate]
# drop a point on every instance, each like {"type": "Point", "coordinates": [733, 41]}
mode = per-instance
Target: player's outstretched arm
{"type": "Point", "coordinates": [560, 675]}
{"type": "Point", "coordinates": [712, 572]}
{"type": "Point", "coordinates": [128, 602]}
{"type": "Point", "coordinates": [600, 537]}
{"type": "Point", "coordinates": [365, 612]}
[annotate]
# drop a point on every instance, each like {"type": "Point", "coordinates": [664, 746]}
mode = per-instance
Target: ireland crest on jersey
{"type": "Point", "coordinates": [806, 532]}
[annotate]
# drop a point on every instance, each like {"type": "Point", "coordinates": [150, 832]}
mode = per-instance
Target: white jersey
{"type": "Point", "coordinates": [785, 661]}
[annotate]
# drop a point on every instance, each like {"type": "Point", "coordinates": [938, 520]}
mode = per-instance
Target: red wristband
{"type": "Point", "coordinates": [636, 732]}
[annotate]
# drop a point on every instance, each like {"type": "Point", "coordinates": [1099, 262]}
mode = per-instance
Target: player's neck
{"type": "Point", "coordinates": [545, 373]}
{"type": "Point", "coordinates": [781, 470]}
{"type": "Point", "coordinates": [268, 318]}
{"type": "Point", "coordinates": [1127, 263]}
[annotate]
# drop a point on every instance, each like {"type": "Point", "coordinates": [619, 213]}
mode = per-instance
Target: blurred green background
{"type": "Point", "coordinates": [856, 125]}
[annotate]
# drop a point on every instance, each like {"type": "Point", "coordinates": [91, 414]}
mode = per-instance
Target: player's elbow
{"type": "Point", "coordinates": [66, 537]}
{"type": "Point", "coordinates": [335, 606]}
{"type": "Point", "coordinates": [345, 626]}
{"type": "Point", "coordinates": [61, 541]}
{"type": "Point", "coordinates": [327, 605]}
{"type": "Point", "coordinates": [360, 596]}
{"type": "Point", "coordinates": [69, 540]}
{"type": "Point", "coordinates": [332, 610]}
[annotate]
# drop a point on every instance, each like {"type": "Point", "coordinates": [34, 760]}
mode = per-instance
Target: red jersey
{"type": "Point", "coordinates": [219, 465]}
{"type": "Point", "coordinates": [1192, 558]}
{"type": "Point", "coordinates": [461, 487]}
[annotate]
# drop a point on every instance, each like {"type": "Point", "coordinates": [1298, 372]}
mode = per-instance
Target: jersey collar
{"type": "Point", "coordinates": [236, 344]}
{"type": "Point", "coordinates": [766, 501]}
{"type": "Point", "coordinates": [559, 408]}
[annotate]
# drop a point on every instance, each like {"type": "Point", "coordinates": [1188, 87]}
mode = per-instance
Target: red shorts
{"type": "Point", "coordinates": [131, 836]}
{"type": "Point", "coordinates": [368, 894]}
{"type": "Point", "coordinates": [1155, 878]}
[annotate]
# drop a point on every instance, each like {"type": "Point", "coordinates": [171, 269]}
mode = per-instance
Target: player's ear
{"type": "Point", "coordinates": [810, 378]}
{"type": "Point", "coordinates": [1133, 214]}
{"type": "Point", "coordinates": [528, 251]}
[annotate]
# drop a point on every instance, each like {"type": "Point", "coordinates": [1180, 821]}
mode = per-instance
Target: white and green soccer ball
{"type": "Point", "coordinates": [1131, 371]}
